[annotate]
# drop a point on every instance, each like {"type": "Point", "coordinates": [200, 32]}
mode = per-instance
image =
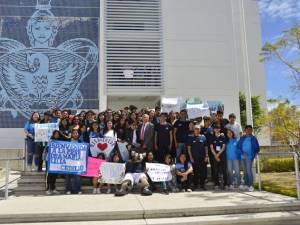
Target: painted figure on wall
{"type": "Point", "coordinates": [44, 76]}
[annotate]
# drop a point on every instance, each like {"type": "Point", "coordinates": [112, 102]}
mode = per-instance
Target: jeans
{"type": "Point", "coordinates": [179, 150]}
{"type": "Point", "coordinates": [248, 175]}
{"type": "Point", "coordinates": [233, 170]}
{"type": "Point", "coordinates": [73, 183]}
{"type": "Point", "coordinates": [32, 148]}
{"type": "Point", "coordinates": [166, 185]}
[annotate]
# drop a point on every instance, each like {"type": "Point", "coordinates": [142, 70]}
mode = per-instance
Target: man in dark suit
{"type": "Point", "coordinates": [146, 133]}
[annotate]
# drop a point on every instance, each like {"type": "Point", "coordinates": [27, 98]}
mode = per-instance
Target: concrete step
{"type": "Point", "coordinates": [273, 218]}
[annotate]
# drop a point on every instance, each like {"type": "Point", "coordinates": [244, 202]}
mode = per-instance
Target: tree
{"type": "Point", "coordinates": [286, 49]}
{"type": "Point", "coordinates": [257, 111]}
{"type": "Point", "coordinates": [284, 123]}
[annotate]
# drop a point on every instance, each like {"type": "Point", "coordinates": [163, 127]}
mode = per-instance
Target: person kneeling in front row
{"type": "Point", "coordinates": [135, 176]}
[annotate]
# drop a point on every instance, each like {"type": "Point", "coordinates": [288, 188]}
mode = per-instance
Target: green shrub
{"type": "Point", "coordinates": [277, 165]}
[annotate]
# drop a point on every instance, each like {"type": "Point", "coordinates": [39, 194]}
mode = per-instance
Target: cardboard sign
{"type": "Point", "coordinates": [44, 131]}
{"type": "Point", "coordinates": [102, 145]}
{"type": "Point", "coordinates": [158, 172]}
{"type": "Point", "coordinates": [67, 157]}
{"type": "Point", "coordinates": [93, 167]}
{"type": "Point", "coordinates": [112, 173]}
{"type": "Point", "coordinates": [170, 105]}
{"type": "Point", "coordinates": [123, 151]}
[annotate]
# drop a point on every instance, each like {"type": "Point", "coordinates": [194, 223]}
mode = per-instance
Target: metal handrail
{"type": "Point", "coordinates": [7, 172]}
{"type": "Point", "coordinates": [296, 161]}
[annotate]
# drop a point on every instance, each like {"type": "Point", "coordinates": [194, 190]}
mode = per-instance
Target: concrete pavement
{"type": "Point", "coordinates": [106, 207]}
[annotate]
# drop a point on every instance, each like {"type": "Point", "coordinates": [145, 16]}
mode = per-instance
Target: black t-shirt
{"type": "Point", "coordinates": [163, 134]}
{"type": "Point", "coordinates": [218, 142]}
{"type": "Point", "coordinates": [197, 144]}
{"type": "Point", "coordinates": [182, 130]}
{"type": "Point", "coordinates": [208, 132]}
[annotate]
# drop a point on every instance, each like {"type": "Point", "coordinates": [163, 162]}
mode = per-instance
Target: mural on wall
{"type": "Point", "coordinates": [47, 74]}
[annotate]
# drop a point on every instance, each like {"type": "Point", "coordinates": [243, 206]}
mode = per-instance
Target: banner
{"type": "Point", "coordinates": [123, 151]}
{"type": "Point", "coordinates": [44, 131]}
{"type": "Point", "coordinates": [93, 167]}
{"type": "Point", "coordinates": [102, 145]}
{"type": "Point", "coordinates": [67, 157]}
{"type": "Point", "coordinates": [158, 172]}
{"type": "Point", "coordinates": [112, 173]}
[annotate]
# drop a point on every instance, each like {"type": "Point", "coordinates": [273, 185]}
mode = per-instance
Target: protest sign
{"type": "Point", "coordinates": [43, 131]}
{"type": "Point", "coordinates": [170, 105]}
{"type": "Point", "coordinates": [93, 167]}
{"type": "Point", "coordinates": [197, 110]}
{"type": "Point", "coordinates": [158, 172]}
{"type": "Point", "coordinates": [67, 157]}
{"type": "Point", "coordinates": [112, 173]}
{"type": "Point", "coordinates": [123, 151]}
{"type": "Point", "coordinates": [102, 145]}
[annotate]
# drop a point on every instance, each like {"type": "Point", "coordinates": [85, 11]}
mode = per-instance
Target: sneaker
{"type": "Point", "coordinates": [189, 190]}
{"type": "Point", "coordinates": [94, 190]}
{"type": "Point", "coordinates": [230, 188]}
{"type": "Point", "coordinates": [98, 191]}
{"type": "Point", "coordinates": [68, 192]}
{"type": "Point", "coordinates": [226, 188]}
{"type": "Point", "coordinates": [120, 193]}
{"type": "Point", "coordinates": [165, 191]}
{"type": "Point", "coordinates": [217, 188]}
{"type": "Point", "coordinates": [79, 193]}
{"type": "Point", "coordinates": [108, 191]}
{"type": "Point", "coordinates": [48, 192]}
{"type": "Point", "coordinates": [55, 192]}
{"type": "Point", "coordinates": [251, 189]}
{"type": "Point", "coordinates": [245, 187]}
{"type": "Point", "coordinates": [146, 192]}
{"type": "Point", "coordinates": [241, 187]}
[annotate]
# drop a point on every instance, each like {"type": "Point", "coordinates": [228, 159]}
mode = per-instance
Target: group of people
{"type": "Point", "coordinates": [188, 146]}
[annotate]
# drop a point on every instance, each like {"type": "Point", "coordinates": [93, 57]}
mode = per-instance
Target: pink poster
{"type": "Point", "coordinates": [93, 167]}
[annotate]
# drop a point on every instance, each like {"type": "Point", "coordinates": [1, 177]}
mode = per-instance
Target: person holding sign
{"type": "Point", "coordinates": [198, 153]}
{"type": "Point", "coordinates": [31, 146]}
{"type": "Point", "coordinates": [184, 171]}
{"type": "Point", "coordinates": [135, 176]}
{"type": "Point", "coordinates": [217, 147]}
{"type": "Point", "coordinates": [51, 177]}
{"type": "Point", "coordinates": [73, 182]}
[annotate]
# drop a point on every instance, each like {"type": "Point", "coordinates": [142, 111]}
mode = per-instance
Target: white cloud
{"type": "Point", "coordinates": [280, 9]}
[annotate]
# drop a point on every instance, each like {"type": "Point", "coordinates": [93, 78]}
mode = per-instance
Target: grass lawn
{"type": "Point", "coordinates": [282, 183]}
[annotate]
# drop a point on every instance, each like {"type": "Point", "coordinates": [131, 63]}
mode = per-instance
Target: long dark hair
{"type": "Point", "coordinates": [53, 135]}
{"type": "Point", "coordinates": [31, 117]}
{"type": "Point", "coordinates": [186, 163]}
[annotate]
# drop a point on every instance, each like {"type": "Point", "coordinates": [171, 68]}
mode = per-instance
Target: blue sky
{"type": "Point", "coordinates": [277, 16]}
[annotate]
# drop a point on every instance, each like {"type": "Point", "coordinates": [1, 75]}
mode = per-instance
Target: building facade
{"type": "Point", "coordinates": [98, 54]}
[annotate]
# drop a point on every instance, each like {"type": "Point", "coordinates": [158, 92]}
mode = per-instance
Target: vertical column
{"type": "Point", "coordinates": [102, 64]}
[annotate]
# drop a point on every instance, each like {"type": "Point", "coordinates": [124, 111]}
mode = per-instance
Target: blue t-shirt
{"type": "Point", "coordinates": [180, 167]}
{"type": "Point", "coordinates": [232, 152]}
{"type": "Point", "coordinates": [247, 148]}
{"type": "Point", "coordinates": [29, 127]}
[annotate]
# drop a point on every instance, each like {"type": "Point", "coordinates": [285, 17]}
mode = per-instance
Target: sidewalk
{"type": "Point", "coordinates": [102, 207]}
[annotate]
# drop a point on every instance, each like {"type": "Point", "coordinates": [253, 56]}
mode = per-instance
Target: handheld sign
{"type": "Point", "coordinates": [43, 131]}
{"type": "Point", "coordinates": [93, 167]}
{"type": "Point", "coordinates": [102, 145]}
{"type": "Point", "coordinates": [112, 173]}
{"type": "Point", "coordinates": [67, 157]}
{"type": "Point", "coordinates": [158, 172]}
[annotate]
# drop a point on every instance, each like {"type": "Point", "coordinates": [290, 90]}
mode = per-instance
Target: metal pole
{"type": "Point", "coordinates": [7, 179]}
{"type": "Point", "coordinates": [258, 172]}
{"type": "Point", "coordinates": [25, 156]}
{"type": "Point", "coordinates": [296, 159]}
